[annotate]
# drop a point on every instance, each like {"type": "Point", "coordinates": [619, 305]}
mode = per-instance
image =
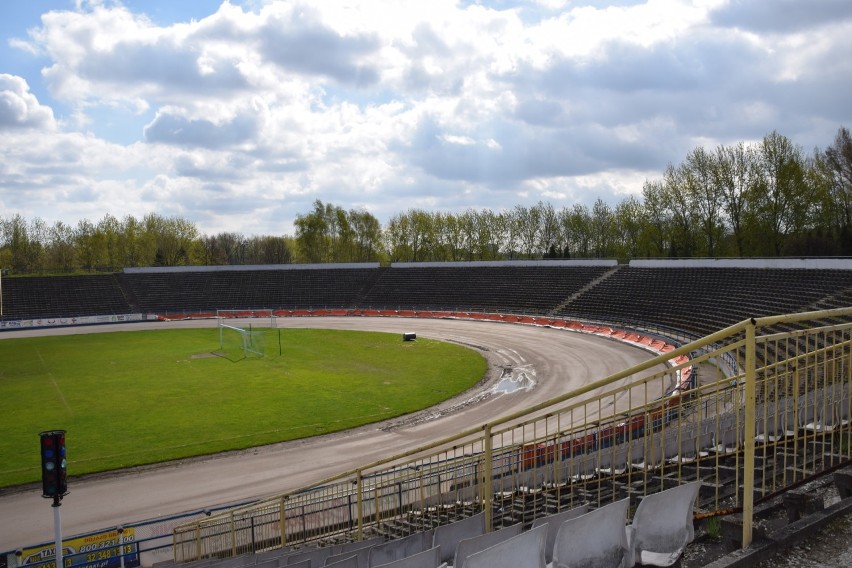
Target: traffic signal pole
{"type": "Point", "coordinates": [54, 481]}
{"type": "Point", "coordinates": [57, 529]}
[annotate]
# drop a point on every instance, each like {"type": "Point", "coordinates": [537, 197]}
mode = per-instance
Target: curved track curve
{"type": "Point", "coordinates": [561, 361]}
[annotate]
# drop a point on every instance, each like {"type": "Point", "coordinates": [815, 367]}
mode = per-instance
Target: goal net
{"type": "Point", "coordinates": [267, 317]}
{"type": "Point", "coordinates": [237, 342]}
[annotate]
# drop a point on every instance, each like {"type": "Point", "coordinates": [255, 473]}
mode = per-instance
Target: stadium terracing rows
{"type": "Point", "coordinates": [694, 298]}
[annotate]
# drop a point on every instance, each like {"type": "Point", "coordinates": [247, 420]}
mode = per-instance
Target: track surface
{"type": "Point", "coordinates": [560, 360]}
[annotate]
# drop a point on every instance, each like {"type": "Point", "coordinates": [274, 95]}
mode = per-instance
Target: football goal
{"type": "Point", "coordinates": [237, 342]}
{"type": "Point", "coordinates": [269, 317]}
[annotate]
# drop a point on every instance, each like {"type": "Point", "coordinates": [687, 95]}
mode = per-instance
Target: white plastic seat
{"type": "Point", "coordinates": [449, 536]}
{"type": "Point", "coordinates": [476, 544]}
{"type": "Point", "coordinates": [346, 560]}
{"type": "Point", "coordinates": [553, 523]}
{"type": "Point", "coordinates": [728, 433]}
{"type": "Point", "coordinates": [614, 460]}
{"type": "Point", "coordinates": [525, 550]}
{"type": "Point", "coordinates": [596, 539]}
{"type": "Point", "coordinates": [652, 456]}
{"type": "Point", "coordinates": [425, 559]}
{"type": "Point", "coordinates": [400, 548]}
{"type": "Point", "coordinates": [317, 556]}
{"type": "Point", "coordinates": [581, 467]}
{"type": "Point", "coordinates": [662, 525]}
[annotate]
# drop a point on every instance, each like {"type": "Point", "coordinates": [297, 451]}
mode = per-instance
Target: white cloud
{"type": "Point", "coordinates": [389, 105]}
{"type": "Point", "coordinates": [19, 108]}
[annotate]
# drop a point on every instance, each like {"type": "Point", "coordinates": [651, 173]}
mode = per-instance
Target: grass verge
{"type": "Point", "coordinates": [142, 397]}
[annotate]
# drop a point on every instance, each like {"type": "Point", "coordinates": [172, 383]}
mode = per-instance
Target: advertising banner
{"type": "Point", "coordinates": [99, 550]}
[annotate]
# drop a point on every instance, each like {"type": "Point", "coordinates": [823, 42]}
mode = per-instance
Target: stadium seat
{"type": "Point", "coordinates": [425, 559]}
{"type": "Point", "coordinates": [525, 550]}
{"type": "Point", "coordinates": [662, 525]}
{"type": "Point", "coordinates": [553, 523]}
{"type": "Point", "coordinates": [449, 536]}
{"type": "Point", "coordinates": [317, 556]}
{"type": "Point", "coordinates": [361, 549]}
{"type": "Point", "coordinates": [346, 560]}
{"type": "Point", "coordinates": [582, 467]}
{"type": "Point", "coordinates": [614, 460]}
{"type": "Point", "coordinates": [400, 548]}
{"type": "Point", "coordinates": [596, 539]}
{"type": "Point", "coordinates": [476, 544]}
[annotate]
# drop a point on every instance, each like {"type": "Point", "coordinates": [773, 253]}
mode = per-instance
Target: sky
{"type": "Point", "coordinates": [237, 115]}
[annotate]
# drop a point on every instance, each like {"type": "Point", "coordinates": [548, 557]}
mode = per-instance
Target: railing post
{"type": "Point", "coordinates": [359, 489]}
{"type": "Point", "coordinates": [233, 535]}
{"type": "Point", "coordinates": [487, 471]}
{"type": "Point", "coordinates": [748, 454]}
{"type": "Point", "coordinates": [283, 521]}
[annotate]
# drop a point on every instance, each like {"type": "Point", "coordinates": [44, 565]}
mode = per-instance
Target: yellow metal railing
{"type": "Point", "coordinates": [756, 408]}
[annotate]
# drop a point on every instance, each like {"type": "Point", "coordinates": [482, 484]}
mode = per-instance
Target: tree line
{"type": "Point", "coordinates": [763, 199]}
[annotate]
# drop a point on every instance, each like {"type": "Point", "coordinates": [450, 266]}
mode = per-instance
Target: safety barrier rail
{"type": "Point", "coordinates": [751, 410]}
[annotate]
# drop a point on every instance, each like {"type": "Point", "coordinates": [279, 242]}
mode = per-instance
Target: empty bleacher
{"type": "Point", "coordinates": [694, 300]}
{"type": "Point", "coordinates": [62, 297]}
{"type": "Point", "coordinates": [526, 289]}
{"type": "Point", "coordinates": [188, 291]}
{"type": "Point", "coordinates": [704, 300]}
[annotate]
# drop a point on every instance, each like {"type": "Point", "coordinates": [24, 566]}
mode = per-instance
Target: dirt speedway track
{"type": "Point", "coordinates": [560, 361]}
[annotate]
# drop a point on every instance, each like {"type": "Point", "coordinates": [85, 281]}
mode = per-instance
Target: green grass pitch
{"type": "Point", "coordinates": [142, 397]}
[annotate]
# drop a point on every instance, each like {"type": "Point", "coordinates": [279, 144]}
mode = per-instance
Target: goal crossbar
{"type": "Point", "coordinates": [251, 340]}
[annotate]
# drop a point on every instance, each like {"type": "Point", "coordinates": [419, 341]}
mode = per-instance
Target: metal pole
{"type": "Point", "coordinates": [359, 488]}
{"type": "Point", "coordinates": [487, 487]}
{"type": "Point", "coordinates": [120, 531]}
{"type": "Point", "coordinates": [57, 530]}
{"type": "Point", "coordinates": [748, 454]}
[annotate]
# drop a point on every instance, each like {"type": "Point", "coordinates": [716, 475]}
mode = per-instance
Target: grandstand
{"type": "Point", "coordinates": [783, 402]}
{"type": "Point", "coordinates": [694, 298]}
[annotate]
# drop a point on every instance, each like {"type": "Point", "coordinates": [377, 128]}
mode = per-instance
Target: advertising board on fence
{"type": "Point", "coordinates": [63, 321]}
{"type": "Point", "coordinates": [99, 550]}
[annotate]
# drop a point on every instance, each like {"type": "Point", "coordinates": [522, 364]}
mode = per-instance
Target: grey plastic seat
{"type": "Point", "coordinates": [553, 523]}
{"type": "Point", "coordinates": [662, 526]}
{"type": "Point", "coordinates": [807, 410]}
{"type": "Point", "coordinates": [425, 559]}
{"type": "Point", "coordinates": [614, 460]}
{"type": "Point", "coordinates": [728, 433]}
{"type": "Point", "coordinates": [828, 410]}
{"type": "Point", "coordinates": [525, 550]}
{"type": "Point", "coordinates": [317, 556]}
{"type": "Point", "coordinates": [771, 421]}
{"type": "Point", "coordinates": [345, 560]}
{"type": "Point", "coordinates": [597, 539]}
{"type": "Point", "coordinates": [651, 457]}
{"type": "Point", "coordinates": [476, 544]}
{"type": "Point", "coordinates": [582, 467]}
{"type": "Point", "coordinates": [401, 548]}
{"type": "Point", "coordinates": [449, 536]}
{"type": "Point", "coordinates": [278, 553]}
{"type": "Point", "coordinates": [360, 549]}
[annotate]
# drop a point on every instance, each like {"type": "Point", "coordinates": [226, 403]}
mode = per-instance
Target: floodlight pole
{"type": "Point", "coordinates": [57, 530]}
{"type": "Point", "coordinates": [1, 294]}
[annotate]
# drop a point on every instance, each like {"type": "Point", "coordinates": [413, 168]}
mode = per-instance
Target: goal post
{"type": "Point", "coordinates": [268, 316]}
{"type": "Point", "coordinates": [237, 340]}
